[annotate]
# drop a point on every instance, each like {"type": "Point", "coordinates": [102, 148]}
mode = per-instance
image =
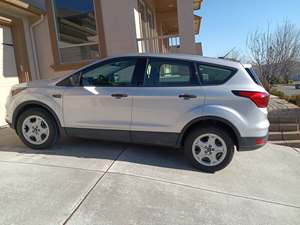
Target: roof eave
{"type": "Point", "coordinates": [197, 23]}
{"type": "Point", "coordinates": [24, 6]}
{"type": "Point", "coordinates": [197, 4]}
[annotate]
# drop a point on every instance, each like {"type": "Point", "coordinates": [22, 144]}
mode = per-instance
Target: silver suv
{"type": "Point", "coordinates": [206, 106]}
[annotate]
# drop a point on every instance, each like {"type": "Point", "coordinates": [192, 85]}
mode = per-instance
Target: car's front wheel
{"type": "Point", "coordinates": [209, 149]}
{"type": "Point", "coordinates": [37, 129]}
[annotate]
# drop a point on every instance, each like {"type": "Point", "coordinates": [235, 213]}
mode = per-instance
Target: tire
{"type": "Point", "coordinates": [43, 132]}
{"type": "Point", "coordinates": [209, 149]}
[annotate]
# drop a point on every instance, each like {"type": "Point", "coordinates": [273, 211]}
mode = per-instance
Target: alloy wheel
{"type": "Point", "coordinates": [35, 130]}
{"type": "Point", "coordinates": [209, 149]}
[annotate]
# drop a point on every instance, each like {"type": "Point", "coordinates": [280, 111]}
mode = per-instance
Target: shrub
{"type": "Point", "coordinates": [280, 94]}
{"type": "Point", "coordinates": [295, 99]}
{"type": "Point", "coordinates": [276, 80]}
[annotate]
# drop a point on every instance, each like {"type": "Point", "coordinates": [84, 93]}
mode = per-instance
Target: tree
{"type": "Point", "coordinates": [275, 53]}
{"type": "Point", "coordinates": [287, 39]}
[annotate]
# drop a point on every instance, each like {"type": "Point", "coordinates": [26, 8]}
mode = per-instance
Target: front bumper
{"type": "Point", "coordinates": [8, 122]}
{"type": "Point", "coordinates": [252, 143]}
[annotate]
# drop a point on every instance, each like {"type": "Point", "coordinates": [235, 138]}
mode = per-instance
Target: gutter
{"type": "Point", "coordinates": [33, 45]}
{"type": "Point", "coordinates": [25, 6]}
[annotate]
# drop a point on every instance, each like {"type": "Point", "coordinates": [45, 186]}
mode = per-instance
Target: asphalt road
{"type": "Point", "coordinates": [100, 183]}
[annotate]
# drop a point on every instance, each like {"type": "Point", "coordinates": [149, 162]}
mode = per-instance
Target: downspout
{"type": "Point", "coordinates": [36, 63]}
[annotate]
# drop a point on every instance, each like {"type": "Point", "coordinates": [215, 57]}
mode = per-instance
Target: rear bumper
{"type": "Point", "coordinates": [252, 143]}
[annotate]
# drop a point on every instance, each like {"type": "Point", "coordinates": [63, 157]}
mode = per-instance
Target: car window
{"type": "Point", "coordinates": [165, 73]}
{"type": "Point", "coordinates": [71, 81]}
{"type": "Point", "coordinates": [114, 73]}
{"type": "Point", "coordinates": [253, 76]}
{"type": "Point", "coordinates": [212, 75]}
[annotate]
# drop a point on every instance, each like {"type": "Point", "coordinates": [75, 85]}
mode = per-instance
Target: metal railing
{"type": "Point", "coordinates": [159, 44]}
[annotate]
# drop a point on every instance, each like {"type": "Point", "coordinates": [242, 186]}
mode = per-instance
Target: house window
{"type": "Point", "coordinates": [75, 24]}
{"type": "Point", "coordinates": [145, 27]}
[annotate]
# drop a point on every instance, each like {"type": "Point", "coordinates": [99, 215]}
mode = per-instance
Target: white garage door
{"type": "Point", "coordinates": [8, 69]}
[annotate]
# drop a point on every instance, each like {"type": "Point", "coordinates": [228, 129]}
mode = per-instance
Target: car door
{"type": "Point", "coordinates": [166, 101]}
{"type": "Point", "coordinates": [100, 104]}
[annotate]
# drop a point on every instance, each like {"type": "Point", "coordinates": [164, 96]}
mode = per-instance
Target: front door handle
{"type": "Point", "coordinates": [118, 95]}
{"type": "Point", "coordinates": [187, 96]}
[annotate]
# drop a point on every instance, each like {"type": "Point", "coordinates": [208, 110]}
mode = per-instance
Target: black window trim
{"type": "Point", "coordinates": [253, 76]}
{"type": "Point", "coordinates": [140, 71]}
{"type": "Point", "coordinates": [233, 72]}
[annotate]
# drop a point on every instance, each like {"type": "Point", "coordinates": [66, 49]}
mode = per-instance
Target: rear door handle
{"type": "Point", "coordinates": [187, 96]}
{"type": "Point", "coordinates": [118, 95]}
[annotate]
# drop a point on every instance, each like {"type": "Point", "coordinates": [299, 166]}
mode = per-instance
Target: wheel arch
{"type": "Point", "coordinates": [34, 104]}
{"type": "Point", "coordinates": [206, 121]}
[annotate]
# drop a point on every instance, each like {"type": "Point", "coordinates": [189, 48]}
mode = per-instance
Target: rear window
{"type": "Point", "coordinates": [253, 75]}
{"type": "Point", "coordinates": [213, 75]}
{"type": "Point", "coordinates": [166, 72]}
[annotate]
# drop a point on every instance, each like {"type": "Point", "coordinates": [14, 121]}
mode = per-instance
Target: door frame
{"type": "Point", "coordinates": [19, 45]}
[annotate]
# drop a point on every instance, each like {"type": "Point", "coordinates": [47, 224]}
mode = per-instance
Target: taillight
{"type": "Point", "coordinates": [260, 141]}
{"type": "Point", "coordinates": [260, 99]}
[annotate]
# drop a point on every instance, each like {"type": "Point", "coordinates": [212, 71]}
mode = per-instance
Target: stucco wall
{"type": "Point", "coordinates": [185, 12]}
{"type": "Point", "coordinates": [30, 47]}
{"type": "Point", "coordinates": [17, 13]}
{"type": "Point", "coordinates": [8, 64]}
{"type": "Point", "coordinates": [119, 31]}
{"type": "Point", "coordinates": [44, 51]}
{"type": "Point", "coordinates": [119, 27]}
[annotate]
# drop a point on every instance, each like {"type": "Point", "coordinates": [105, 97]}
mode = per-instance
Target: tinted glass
{"type": "Point", "coordinates": [164, 73]}
{"type": "Point", "coordinates": [76, 30]}
{"type": "Point", "coordinates": [253, 75]}
{"type": "Point", "coordinates": [71, 81]}
{"type": "Point", "coordinates": [211, 75]}
{"type": "Point", "coordinates": [114, 73]}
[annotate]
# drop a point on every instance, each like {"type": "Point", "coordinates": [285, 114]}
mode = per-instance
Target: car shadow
{"type": "Point", "coordinates": [156, 156]}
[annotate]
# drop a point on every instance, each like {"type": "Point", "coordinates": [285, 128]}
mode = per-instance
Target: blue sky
{"type": "Point", "coordinates": [79, 5]}
{"type": "Point", "coordinates": [227, 23]}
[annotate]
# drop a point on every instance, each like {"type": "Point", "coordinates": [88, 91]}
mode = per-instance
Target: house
{"type": "Point", "coordinates": [295, 74]}
{"type": "Point", "coordinates": [45, 38]}
{"type": "Point", "coordinates": [296, 79]}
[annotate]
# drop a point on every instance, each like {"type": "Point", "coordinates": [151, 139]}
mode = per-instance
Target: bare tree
{"type": "Point", "coordinates": [287, 41]}
{"type": "Point", "coordinates": [274, 53]}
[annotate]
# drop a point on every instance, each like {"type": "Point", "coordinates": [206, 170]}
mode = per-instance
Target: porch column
{"type": "Point", "coordinates": [185, 10]}
{"type": "Point", "coordinates": [119, 26]}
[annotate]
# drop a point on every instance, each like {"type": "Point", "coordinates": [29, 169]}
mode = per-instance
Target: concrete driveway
{"type": "Point", "coordinates": [100, 183]}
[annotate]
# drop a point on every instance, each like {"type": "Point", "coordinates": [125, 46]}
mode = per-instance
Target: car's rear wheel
{"type": "Point", "coordinates": [37, 128]}
{"type": "Point", "coordinates": [209, 149]}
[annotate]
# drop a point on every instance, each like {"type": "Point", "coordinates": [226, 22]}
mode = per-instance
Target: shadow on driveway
{"type": "Point", "coordinates": [94, 149]}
